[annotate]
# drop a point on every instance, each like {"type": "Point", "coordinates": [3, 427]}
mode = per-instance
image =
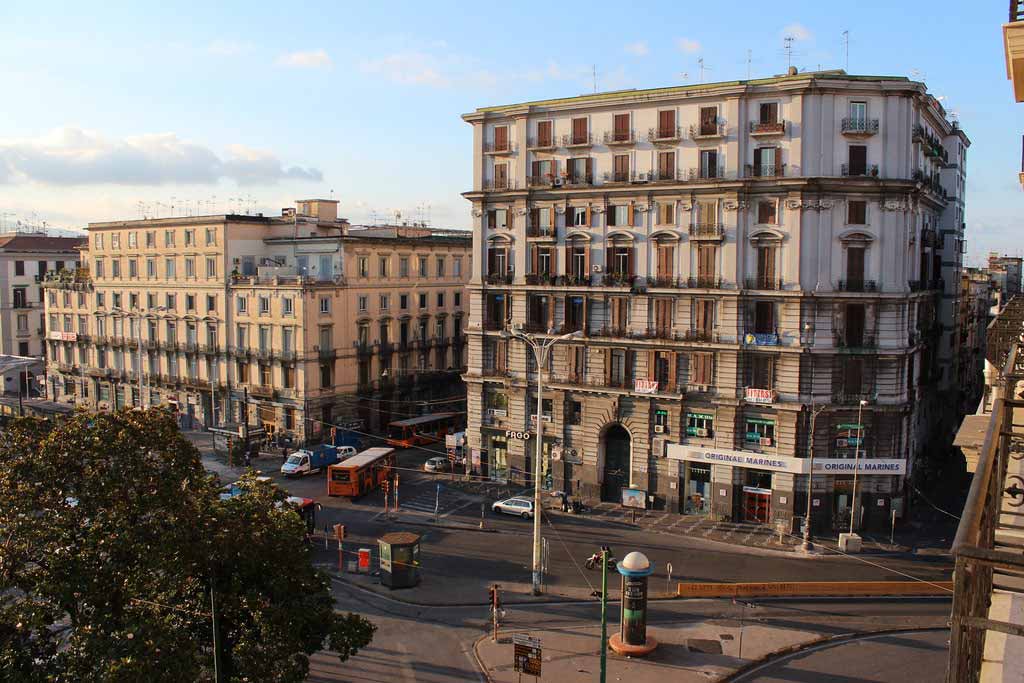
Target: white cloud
{"type": "Point", "coordinates": [311, 59]}
{"type": "Point", "coordinates": [637, 49]}
{"type": "Point", "coordinates": [72, 156]}
{"type": "Point", "coordinates": [688, 45]}
{"type": "Point", "coordinates": [798, 31]}
{"type": "Point", "coordinates": [408, 68]}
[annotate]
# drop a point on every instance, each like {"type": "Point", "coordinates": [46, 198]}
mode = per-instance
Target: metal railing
{"type": "Point", "coordinates": [574, 140]}
{"type": "Point", "coordinates": [860, 126]}
{"type": "Point", "coordinates": [989, 567]}
{"type": "Point", "coordinates": [620, 137]}
{"type": "Point", "coordinates": [506, 147]}
{"type": "Point", "coordinates": [766, 170]}
{"type": "Point", "coordinates": [707, 130]}
{"type": "Point", "coordinates": [665, 134]}
{"type": "Point", "coordinates": [767, 127]}
{"type": "Point", "coordinates": [765, 283]}
{"type": "Point", "coordinates": [707, 231]}
{"type": "Point", "coordinates": [857, 286]}
{"type": "Point", "coordinates": [869, 170]}
{"type": "Point", "coordinates": [541, 143]}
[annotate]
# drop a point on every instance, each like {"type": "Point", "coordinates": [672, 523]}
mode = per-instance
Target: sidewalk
{"type": "Point", "coordinates": [701, 651]}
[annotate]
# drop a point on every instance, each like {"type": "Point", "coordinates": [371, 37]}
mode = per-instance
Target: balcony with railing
{"type": "Point", "coordinates": [859, 128]}
{"type": "Point", "coordinates": [498, 148]}
{"type": "Point", "coordinates": [617, 279]}
{"type": "Point", "coordinates": [764, 283]}
{"type": "Point", "coordinates": [699, 335]}
{"type": "Point", "coordinates": [499, 278]}
{"type": "Point", "coordinates": [541, 144]}
{"type": "Point", "coordinates": [495, 325]}
{"type": "Point", "coordinates": [578, 179]}
{"type": "Point", "coordinates": [620, 137]}
{"type": "Point", "coordinates": [767, 128]}
{"type": "Point", "coordinates": [613, 177]}
{"type": "Point", "coordinates": [707, 131]}
{"type": "Point", "coordinates": [765, 170]}
{"type": "Point", "coordinates": [857, 286]}
{"type": "Point", "coordinates": [666, 282]}
{"type": "Point", "coordinates": [987, 620]}
{"type": "Point", "coordinates": [665, 136]}
{"type": "Point", "coordinates": [610, 331]}
{"type": "Point", "coordinates": [545, 180]}
{"type": "Point", "coordinates": [541, 231]}
{"type": "Point", "coordinates": [577, 140]}
{"type": "Point", "coordinates": [499, 184]}
{"type": "Point", "coordinates": [857, 171]}
{"type": "Point", "coordinates": [546, 279]}
{"type": "Point", "coordinates": [664, 175]}
{"type": "Point", "coordinates": [855, 342]}
{"type": "Point", "coordinates": [705, 173]}
{"type": "Point", "coordinates": [327, 354]}
{"type": "Point", "coordinates": [704, 282]}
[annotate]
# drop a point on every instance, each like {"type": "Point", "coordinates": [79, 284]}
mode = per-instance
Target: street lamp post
{"type": "Point", "coordinates": [809, 342]}
{"type": "Point", "coordinates": [856, 459]}
{"type": "Point", "coordinates": [540, 349]}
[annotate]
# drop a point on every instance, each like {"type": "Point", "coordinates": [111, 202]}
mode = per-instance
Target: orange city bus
{"type": "Point", "coordinates": [417, 431]}
{"type": "Point", "coordinates": [361, 473]}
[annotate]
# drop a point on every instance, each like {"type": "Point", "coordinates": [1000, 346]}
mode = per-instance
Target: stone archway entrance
{"type": "Point", "coordinates": [616, 442]}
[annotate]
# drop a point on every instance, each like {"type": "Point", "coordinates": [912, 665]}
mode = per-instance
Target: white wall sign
{"type": "Point", "coordinates": [645, 386]}
{"type": "Point", "coordinates": [864, 466]}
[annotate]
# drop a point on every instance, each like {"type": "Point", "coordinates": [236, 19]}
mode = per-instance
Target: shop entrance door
{"type": "Point", "coordinates": [756, 504]}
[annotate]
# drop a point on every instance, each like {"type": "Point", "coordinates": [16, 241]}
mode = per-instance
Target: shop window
{"type": "Point", "coordinates": [700, 425]}
{"type": "Point", "coordinates": [759, 432]}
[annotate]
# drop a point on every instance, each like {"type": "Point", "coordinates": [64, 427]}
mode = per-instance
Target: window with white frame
{"type": "Point", "coordinates": [325, 304]}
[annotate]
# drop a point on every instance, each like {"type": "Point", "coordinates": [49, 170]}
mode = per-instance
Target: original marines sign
{"type": "Point", "coordinates": [782, 463]}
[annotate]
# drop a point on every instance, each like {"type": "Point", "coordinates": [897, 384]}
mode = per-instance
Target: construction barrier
{"type": "Point", "coordinates": [812, 589]}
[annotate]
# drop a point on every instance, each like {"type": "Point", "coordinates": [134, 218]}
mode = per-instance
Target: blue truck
{"type": "Point", "coordinates": [318, 458]}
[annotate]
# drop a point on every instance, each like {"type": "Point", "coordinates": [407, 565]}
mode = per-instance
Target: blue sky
{"type": "Point", "coordinates": [109, 104]}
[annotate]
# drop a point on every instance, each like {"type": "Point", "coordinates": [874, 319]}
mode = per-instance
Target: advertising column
{"type": "Point", "coordinates": [632, 639]}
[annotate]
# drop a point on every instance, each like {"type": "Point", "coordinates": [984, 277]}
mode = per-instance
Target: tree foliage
{"type": "Point", "coordinates": [111, 538]}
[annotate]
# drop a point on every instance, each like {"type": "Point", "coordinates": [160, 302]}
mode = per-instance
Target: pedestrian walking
{"type": "Point", "coordinates": [565, 501]}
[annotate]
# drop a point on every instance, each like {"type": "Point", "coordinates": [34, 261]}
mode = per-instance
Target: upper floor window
{"type": "Point", "coordinates": [363, 266]}
{"type": "Point", "coordinates": [211, 237]}
{"type": "Point", "coordinates": [769, 112]}
{"type": "Point", "coordinates": [132, 241]}
{"type": "Point", "coordinates": [545, 137]}
{"type": "Point", "coordinates": [168, 238]}
{"type": "Point", "coordinates": [384, 266]}
{"type": "Point", "coordinates": [190, 238]}
{"type": "Point", "coordinates": [325, 304]}
{"type": "Point", "coordinates": [115, 240]}
{"type": "Point", "coordinates": [423, 266]}
{"type": "Point", "coordinates": [766, 211]}
{"type": "Point", "coordinates": [403, 266]}
{"type": "Point", "coordinates": [150, 239]}
{"type": "Point", "coordinates": [858, 111]}
{"type": "Point", "coordinates": [361, 302]}
{"type": "Point", "coordinates": [457, 267]}
{"type": "Point", "coordinates": [440, 266]}
{"type": "Point", "coordinates": [580, 131]}
{"type": "Point", "coordinates": [856, 212]}
{"type": "Point", "coordinates": [497, 219]}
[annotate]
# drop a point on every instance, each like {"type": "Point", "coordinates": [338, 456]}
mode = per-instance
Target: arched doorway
{"type": "Point", "coordinates": [616, 463]}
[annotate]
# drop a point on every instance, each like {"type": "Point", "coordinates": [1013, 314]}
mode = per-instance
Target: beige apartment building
{"type": "Point", "coordinates": [25, 261]}
{"type": "Point", "coordinates": [756, 268]}
{"type": "Point", "coordinates": [299, 321]}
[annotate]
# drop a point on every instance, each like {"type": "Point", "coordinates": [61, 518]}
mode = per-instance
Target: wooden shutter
{"type": "Point", "coordinates": [492, 220]}
{"type": "Point", "coordinates": [666, 123]}
{"type": "Point", "coordinates": [534, 258]}
{"type": "Point", "coordinates": [858, 159]}
{"type": "Point", "coordinates": [608, 367]}
{"type": "Point", "coordinates": [611, 215]}
{"type": "Point", "coordinates": [570, 359]}
{"type": "Point", "coordinates": [652, 361]}
{"type": "Point", "coordinates": [536, 170]}
{"type": "Point", "coordinates": [590, 170]}
{"type": "Point", "coordinates": [568, 258]}
{"type": "Point", "coordinates": [579, 130]}
{"type": "Point", "coordinates": [757, 161]}
{"type": "Point", "coordinates": [500, 351]}
{"type": "Point", "coordinates": [705, 261]}
{"type": "Point", "coordinates": [586, 216]}
{"type": "Point", "coordinates": [630, 360]}
{"type": "Point", "coordinates": [631, 261]}
{"type": "Point", "coordinates": [492, 254]}
{"type": "Point", "coordinates": [534, 218]}
{"type": "Point", "coordinates": [621, 126]}
{"type": "Point", "coordinates": [631, 213]}
{"type": "Point", "coordinates": [586, 260]}
{"type": "Point", "coordinates": [501, 137]}
{"type": "Point", "coordinates": [855, 264]}
{"type": "Point", "coordinates": [544, 133]}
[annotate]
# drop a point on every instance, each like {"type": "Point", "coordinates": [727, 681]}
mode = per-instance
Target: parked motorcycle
{"type": "Point", "coordinates": [594, 562]}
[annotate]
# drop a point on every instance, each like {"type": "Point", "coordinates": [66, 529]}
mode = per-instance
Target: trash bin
{"type": "Point", "coordinates": [364, 560]}
{"type": "Point", "coordinates": [399, 559]}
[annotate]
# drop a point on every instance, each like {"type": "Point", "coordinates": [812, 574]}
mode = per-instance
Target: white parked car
{"type": "Point", "coordinates": [439, 464]}
{"type": "Point", "coordinates": [521, 507]}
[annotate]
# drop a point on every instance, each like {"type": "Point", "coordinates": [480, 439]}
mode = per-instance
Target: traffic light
{"type": "Point", "coordinates": [494, 596]}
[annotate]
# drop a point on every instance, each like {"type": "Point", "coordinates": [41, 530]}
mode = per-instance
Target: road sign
{"type": "Point", "coordinates": [527, 654]}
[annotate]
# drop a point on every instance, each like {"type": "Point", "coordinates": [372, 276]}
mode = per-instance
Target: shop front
{"type": "Point", "coordinates": [757, 496]}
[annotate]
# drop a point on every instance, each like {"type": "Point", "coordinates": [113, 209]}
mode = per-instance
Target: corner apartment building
{"type": "Point", "coordinates": [25, 261]}
{"type": "Point", "coordinates": [303, 318]}
{"type": "Point", "coordinates": [738, 257]}
{"type": "Point", "coordinates": [1005, 273]}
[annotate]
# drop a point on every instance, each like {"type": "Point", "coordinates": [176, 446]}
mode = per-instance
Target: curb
{"type": "Point", "coordinates": [842, 637]}
{"type": "Point", "coordinates": [448, 526]}
{"type": "Point", "coordinates": [479, 662]}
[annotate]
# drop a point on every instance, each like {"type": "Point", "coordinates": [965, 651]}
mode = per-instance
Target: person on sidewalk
{"type": "Point", "coordinates": [565, 501]}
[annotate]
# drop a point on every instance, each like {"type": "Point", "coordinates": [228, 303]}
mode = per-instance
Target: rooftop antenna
{"type": "Point", "coordinates": [749, 54]}
{"type": "Point", "coordinates": [788, 49]}
{"type": "Point", "coordinates": [700, 63]}
{"type": "Point", "coordinates": [684, 76]}
{"type": "Point", "coordinates": [846, 48]}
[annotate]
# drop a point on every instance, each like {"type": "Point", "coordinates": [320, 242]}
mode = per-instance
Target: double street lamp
{"type": "Point", "coordinates": [541, 347]}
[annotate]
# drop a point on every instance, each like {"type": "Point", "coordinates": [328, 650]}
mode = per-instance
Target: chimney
{"type": "Point", "coordinates": [791, 71]}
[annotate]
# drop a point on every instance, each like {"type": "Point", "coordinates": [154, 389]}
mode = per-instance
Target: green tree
{"type": "Point", "coordinates": [111, 538]}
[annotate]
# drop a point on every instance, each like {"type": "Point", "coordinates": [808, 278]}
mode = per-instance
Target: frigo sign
{"type": "Point", "coordinates": [518, 436]}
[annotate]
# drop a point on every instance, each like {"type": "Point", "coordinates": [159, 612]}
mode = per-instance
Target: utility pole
{"type": "Point", "coordinates": [856, 461]}
{"type": "Point", "coordinates": [604, 614]}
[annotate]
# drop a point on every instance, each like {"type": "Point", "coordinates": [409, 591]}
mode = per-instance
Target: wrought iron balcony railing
{"type": "Point", "coordinates": [715, 130]}
{"type": "Point", "coordinates": [766, 170]}
{"type": "Point", "coordinates": [859, 126]}
{"type": "Point", "coordinates": [665, 135]}
{"type": "Point", "coordinates": [857, 286]}
{"type": "Point", "coordinates": [767, 127]}
{"type": "Point", "coordinates": [620, 137]}
{"type": "Point", "coordinates": [575, 140]}
{"type": "Point", "coordinates": [765, 283]}
{"type": "Point", "coordinates": [856, 171]}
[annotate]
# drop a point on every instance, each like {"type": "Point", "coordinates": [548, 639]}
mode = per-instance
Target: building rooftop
{"type": "Point", "coordinates": [702, 88]}
{"type": "Point", "coordinates": [28, 242]}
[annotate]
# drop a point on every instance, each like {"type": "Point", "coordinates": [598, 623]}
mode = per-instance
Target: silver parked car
{"type": "Point", "coordinates": [521, 507]}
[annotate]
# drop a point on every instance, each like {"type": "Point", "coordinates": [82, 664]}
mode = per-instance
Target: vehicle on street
{"type": "Point", "coordinates": [438, 464]}
{"type": "Point", "coordinates": [361, 473]}
{"type": "Point", "coordinates": [425, 429]}
{"type": "Point", "coordinates": [521, 507]}
{"type": "Point", "coordinates": [594, 562]}
{"type": "Point", "coordinates": [311, 461]}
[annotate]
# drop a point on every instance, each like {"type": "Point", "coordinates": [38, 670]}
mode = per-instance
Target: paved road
{"type": "Point", "coordinates": [434, 644]}
{"type": "Point", "coordinates": [894, 658]}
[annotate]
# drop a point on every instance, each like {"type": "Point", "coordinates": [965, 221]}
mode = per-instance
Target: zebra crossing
{"type": "Point", "coordinates": [446, 500]}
